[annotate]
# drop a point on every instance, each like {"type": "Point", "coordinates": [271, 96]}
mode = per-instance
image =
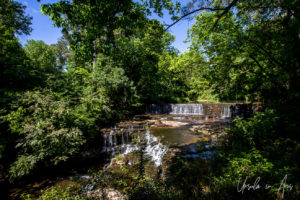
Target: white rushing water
{"type": "Point", "coordinates": [176, 109]}
{"type": "Point", "coordinates": [226, 113]}
{"type": "Point", "coordinates": [153, 148]}
{"type": "Point", "coordinates": [186, 109]}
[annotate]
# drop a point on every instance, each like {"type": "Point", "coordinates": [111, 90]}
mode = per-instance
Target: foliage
{"type": "Point", "coordinates": [62, 52]}
{"type": "Point", "coordinates": [110, 76]}
{"type": "Point", "coordinates": [251, 53]}
{"type": "Point", "coordinates": [46, 132]}
{"type": "Point", "coordinates": [49, 125]}
{"type": "Point", "coordinates": [53, 193]}
{"type": "Point", "coordinates": [102, 96]}
{"type": "Point", "coordinates": [15, 71]}
{"type": "Point", "coordinates": [94, 26]}
{"type": "Point", "coordinates": [252, 149]}
{"type": "Point", "coordinates": [172, 82]}
{"type": "Point", "coordinates": [147, 190]}
{"type": "Point", "coordinates": [90, 24]}
{"type": "Point", "coordinates": [42, 56]}
{"type": "Point", "coordinates": [12, 15]}
{"type": "Point", "coordinates": [15, 68]}
{"type": "Point", "coordinates": [124, 35]}
{"type": "Point", "coordinates": [139, 56]}
{"type": "Point", "coordinates": [185, 76]}
{"type": "Point", "coordinates": [227, 69]}
{"type": "Point", "coordinates": [56, 193]}
{"type": "Point", "coordinates": [245, 50]}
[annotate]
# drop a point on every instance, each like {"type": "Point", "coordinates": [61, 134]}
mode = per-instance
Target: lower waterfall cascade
{"type": "Point", "coordinates": [153, 148]}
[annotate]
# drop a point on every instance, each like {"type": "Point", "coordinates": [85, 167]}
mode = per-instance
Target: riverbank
{"type": "Point", "coordinates": [151, 142]}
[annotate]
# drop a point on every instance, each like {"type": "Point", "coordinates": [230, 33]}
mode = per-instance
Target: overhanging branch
{"type": "Point", "coordinates": [192, 12]}
{"type": "Point", "coordinates": [226, 10]}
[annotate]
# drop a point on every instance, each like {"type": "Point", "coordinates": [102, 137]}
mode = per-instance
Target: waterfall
{"type": "Point", "coordinates": [226, 112]}
{"type": "Point", "coordinates": [127, 138]}
{"type": "Point", "coordinates": [154, 149]}
{"type": "Point", "coordinates": [105, 142]}
{"type": "Point", "coordinates": [123, 141]}
{"type": "Point", "coordinates": [110, 138]}
{"type": "Point", "coordinates": [175, 109]}
{"type": "Point", "coordinates": [138, 135]}
{"type": "Point", "coordinates": [212, 110]}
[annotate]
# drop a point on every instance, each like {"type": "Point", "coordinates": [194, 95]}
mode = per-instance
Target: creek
{"type": "Point", "coordinates": [167, 126]}
{"type": "Point", "coordinates": [164, 131]}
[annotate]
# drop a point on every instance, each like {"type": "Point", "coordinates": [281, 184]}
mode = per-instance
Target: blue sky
{"type": "Point", "coordinates": [43, 28]}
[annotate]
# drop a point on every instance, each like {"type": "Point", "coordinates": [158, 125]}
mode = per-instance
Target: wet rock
{"type": "Point", "coordinates": [204, 131]}
{"type": "Point", "coordinates": [153, 122]}
{"type": "Point", "coordinates": [174, 123]}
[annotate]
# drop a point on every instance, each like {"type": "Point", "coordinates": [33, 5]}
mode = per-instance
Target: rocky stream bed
{"type": "Point", "coordinates": [146, 146]}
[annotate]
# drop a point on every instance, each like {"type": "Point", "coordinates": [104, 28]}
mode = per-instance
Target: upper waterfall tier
{"type": "Point", "coordinates": [218, 110]}
{"type": "Point", "coordinates": [175, 109]}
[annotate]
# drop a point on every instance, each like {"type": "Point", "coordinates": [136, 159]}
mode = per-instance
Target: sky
{"type": "Point", "coordinates": [43, 28]}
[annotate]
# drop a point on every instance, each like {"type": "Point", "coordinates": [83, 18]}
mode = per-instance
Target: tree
{"type": "Point", "coordinates": [254, 39]}
{"type": "Point", "coordinates": [43, 56]}
{"type": "Point", "coordinates": [12, 15]}
{"type": "Point", "coordinates": [14, 66]}
{"type": "Point", "coordinates": [227, 68]}
{"type": "Point", "coordinates": [252, 51]}
{"type": "Point", "coordinates": [139, 55]}
{"type": "Point", "coordinates": [46, 131]}
{"type": "Point", "coordinates": [62, 52]}
{"type": "Point", "coordinates": [91, 24]}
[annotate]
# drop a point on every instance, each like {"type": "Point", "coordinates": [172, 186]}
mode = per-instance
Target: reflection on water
{"type": "Point", "coordinates": [175, 136]}
{"type": "Point", "coordinates": [190, 144]}
{"type": "Point", "coordinates": [203, 150]}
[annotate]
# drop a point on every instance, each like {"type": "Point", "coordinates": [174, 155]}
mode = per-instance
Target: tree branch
{"type": "Point", "coordinates": [192, 12]}
{"type": "Point", "coordinates": [226, 10]}
{"type": "Point", "coordinates": [270, 76]}
{"type": "Point", "coordinates": [267, 53]}
{"type": "Point", "coordinates": [256, 61]}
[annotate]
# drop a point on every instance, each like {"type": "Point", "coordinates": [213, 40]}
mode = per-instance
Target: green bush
{"type": "Point", "coordinates": [45, 129]}
{"type": "Point", "coordinates": [55, 193]}
{"type": "Point", "coordinates": [257, 147]}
